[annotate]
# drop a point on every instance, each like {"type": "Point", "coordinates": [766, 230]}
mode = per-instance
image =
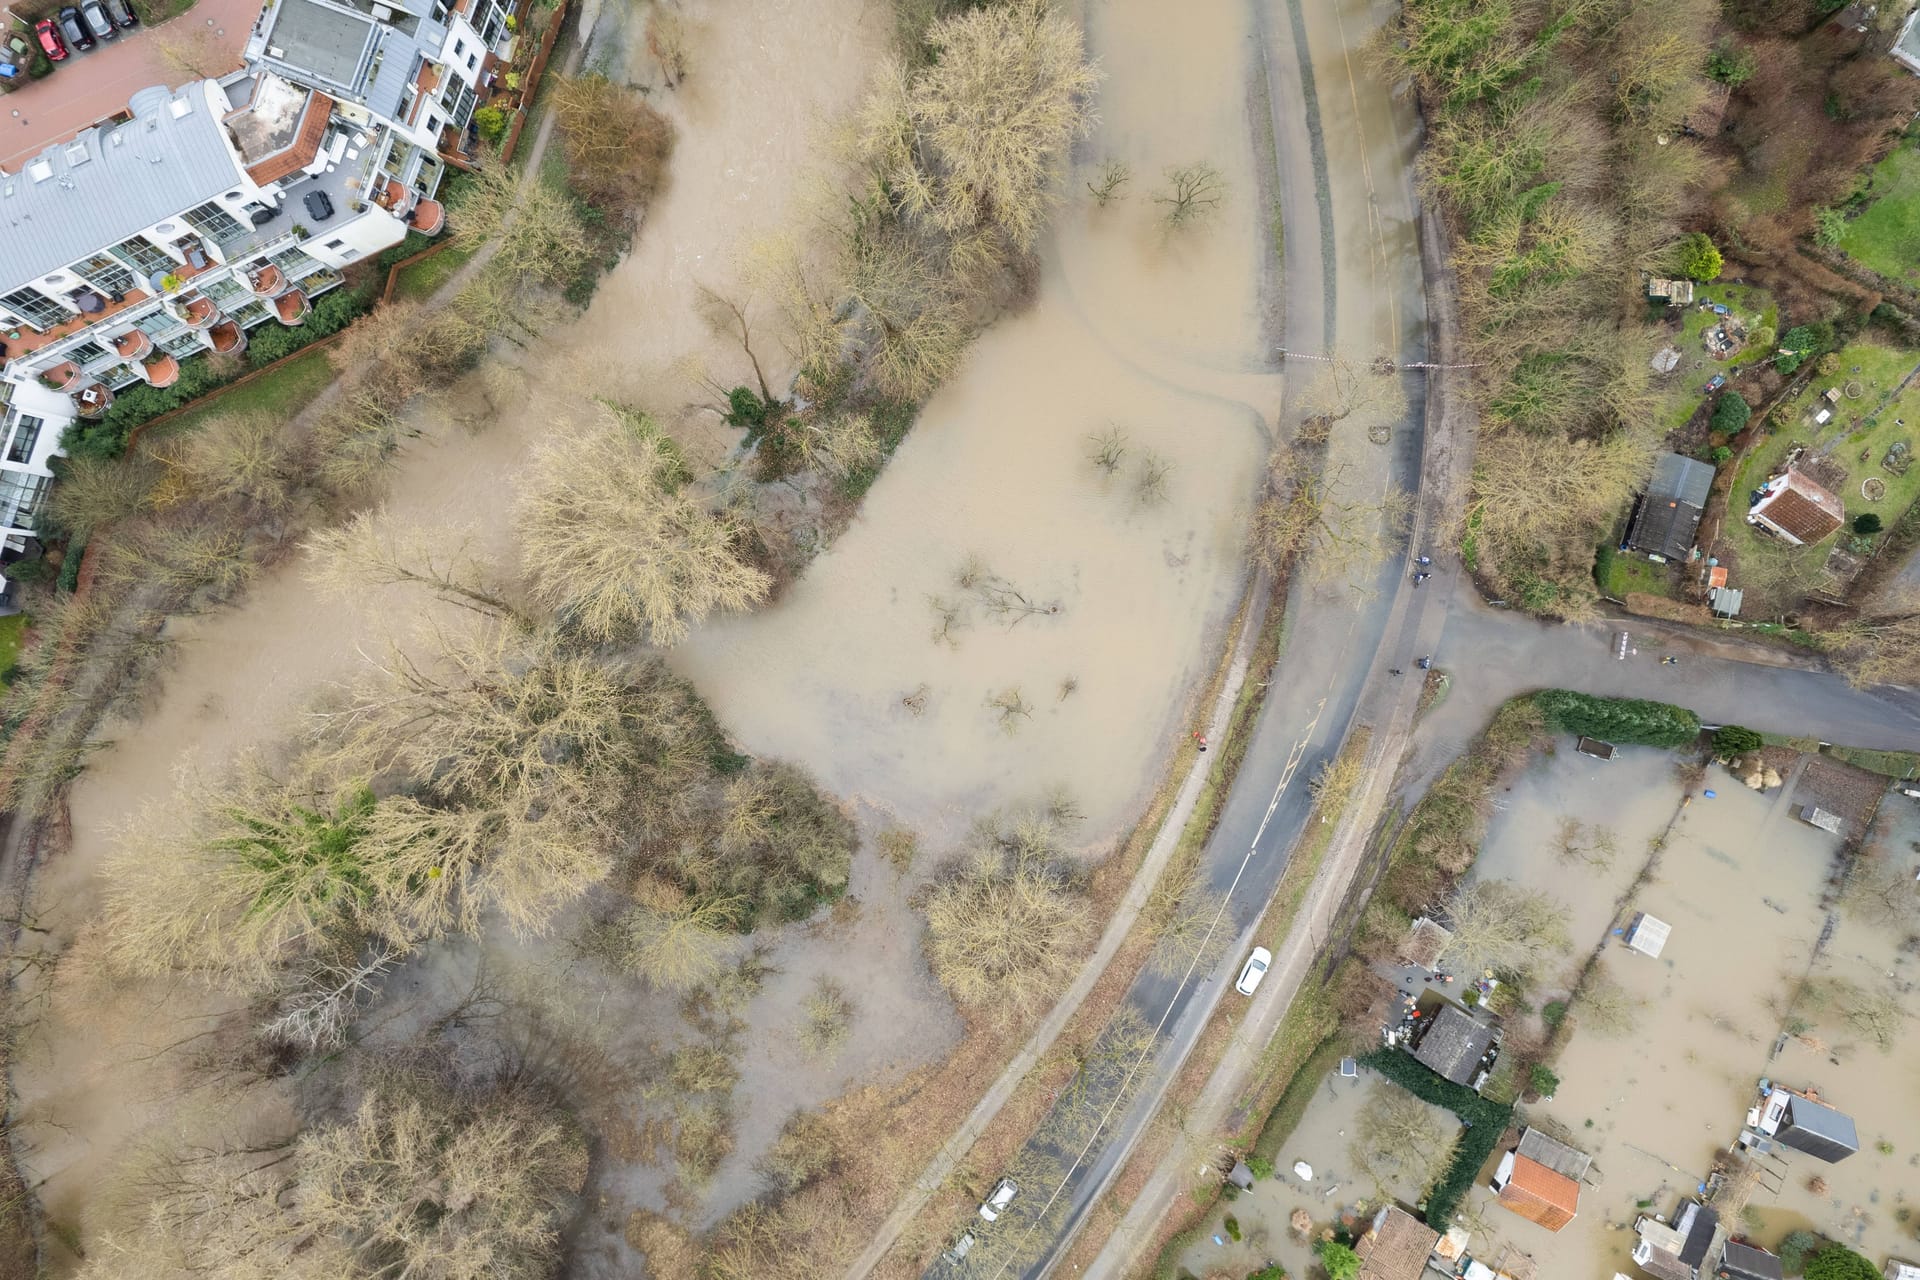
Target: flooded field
{"type": "Point", "coordinates": [1742, 881]}
{"type": "Point", "coordinates": [1158, 337]}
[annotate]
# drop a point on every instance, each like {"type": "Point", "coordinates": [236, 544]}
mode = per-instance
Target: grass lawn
{"type": "Point", "coordinates": [1891, 764]}
{"type": "Point", "coordinates": [1886, 236]}
{"type": "Point", "coordinates": [1625, 573]}
{"type": "Point", "coordinates": [282, 393]}
{"type": "Point", "coordinates": [11, 630]}
{"type": "Point", "coordinates": [1868, 423]}
{"type": "Point", "coordinates": [1686, 385]}
{"type": "Point", "coordinates": [420, 281]}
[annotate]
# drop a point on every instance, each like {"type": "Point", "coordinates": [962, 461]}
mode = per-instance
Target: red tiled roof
{"type": "Point", "coordinates": [1802, 509]}
{"type": "Point", "coordinates": [1395, 1247]}
{"type": "Point", "coordinates": [299, 153]}
{"type": "Point", "coordinates": [1538, 1193]}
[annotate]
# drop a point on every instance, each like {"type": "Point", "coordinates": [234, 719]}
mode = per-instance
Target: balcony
{"type": "Point", "coordinates": [227, 338]}
{"type": "Point", "coordinates": [92, 401]}
{"type": "Point", "coordinates": [61, 376]}
{"type": "Point", "coordinates": [197, 312]}
{"type": "Point", "coordinates": [132, 345]}
{"type": "Point", "coordinates": [291, 308]}
{"type": "Point", "coordinates": [161, 371]}
{"type": "Point", "coordinates": [267, 282]}
{"type": "Point", "coordinates": [428, 217]}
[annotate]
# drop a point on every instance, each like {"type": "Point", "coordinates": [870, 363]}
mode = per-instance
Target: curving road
{"type": "Point", "coordinates": [1354, 284]}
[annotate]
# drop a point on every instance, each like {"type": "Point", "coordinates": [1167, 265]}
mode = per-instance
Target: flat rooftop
{"type": "Point", "coordinates": [328, 42]}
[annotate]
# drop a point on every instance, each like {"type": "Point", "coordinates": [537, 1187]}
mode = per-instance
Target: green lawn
{"type": "Point", "coordinates": [12, 629]}
{"type": "Point", "coordinates": [1868, 422]}
{"type": "Point", "coordinates": [1624, 574]}
{"type": "Point", "coordinates": [1886, 236]}
{"type": "Point", "coordinates": [1687, 383]}
{"type": "Point", "coordinates": [282, 393]}
{"type": "Point", "coordinates": [423, 279]}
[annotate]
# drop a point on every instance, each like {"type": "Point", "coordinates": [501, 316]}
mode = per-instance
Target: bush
{"type": "Point", "coordinates": [1341, 1262]}
{"type": "Point", "coordinates": [1732, 741]}
{"type": "Point", "coordinates": [1699, 260]}
{"type": "Point", "coordinates": [491, 122]}
{"type": "Point", "coordinates": [1232, 1226]}
{"type": "Point", "coordinates": [1720, 455]}
{"type": "Point", "coordinates": [1260, 1166]}
{"type": "Point", "coordinates": [1542, 1080]}
{"type": "Point", "coordinates": [1631, 720]}
{"type": "Point", "coordinates": [1866, 524]}
{"type": "Point", "coordinates": [1274, 1272]}
{"type": "Point", "coordinates": [39, 67]}
{"type": "Point", "coordinates": [1796, 1249]}
{"type": "Point", "coordinates": [1837, 1262]}
{"type": "Point", "coordinates": [1603, 559]}
{"type": "Point", "coordinates": [1731, 64]}
{"type": "Point", "coordinates": [1486, 1121]}
{"type": "Point", "coordinates": [1553, 1013]}
{"type": "Point", "coordinates": [69, 580]}
{"type": "Point", "coordinates": [1730, 414]}
{"type": "Point", "coordinates": [1802, 343]}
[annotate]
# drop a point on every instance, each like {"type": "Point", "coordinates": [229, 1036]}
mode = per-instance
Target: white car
{"type": "Point", "coordinates": [961, 1247]}
{"type": "Point", "coordinates": [1255, 970]}
{"type": "Point", "coordinates": [998, 1199]}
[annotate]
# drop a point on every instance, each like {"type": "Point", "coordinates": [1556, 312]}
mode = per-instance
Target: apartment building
{"type": "Point", "coordinates": [175, 229]}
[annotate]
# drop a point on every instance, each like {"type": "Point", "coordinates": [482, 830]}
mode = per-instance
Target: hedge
{"type": "Point", "coordinates": [1485, 1120]}
{"type": "Point", "coordinates": [107, 437]}
{"type": "Point", "coordinates": [1628, 720]}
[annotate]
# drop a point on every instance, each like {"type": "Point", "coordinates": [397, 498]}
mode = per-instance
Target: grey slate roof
{"type": "Point", "coordinates": [1670, 512]}
{"type": "Point", "coordinates": [1554, 1154]}
{"type": "Point", "coordinates": [1453, 1046]}
{"type": "Point", "coordinates": [127, 178]}
{"type": "Point", "coordinates": [1744, 1262]}
{"type": "Point", "coordinates": [1698, 1223]}
{"type": "Point", "coordinates": [1818, 1129]}
{"type": "Point", "coordinates": [347, 53]}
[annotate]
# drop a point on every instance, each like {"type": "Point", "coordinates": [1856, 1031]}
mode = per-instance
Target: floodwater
{"type": "Point", "coordinates": [1159, 337]}
{"type": "Point", "coordinates": [1157, 334]}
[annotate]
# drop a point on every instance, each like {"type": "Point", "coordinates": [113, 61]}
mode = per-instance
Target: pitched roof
{"type": "Point", "coordinates": [1669, 512]}
{"type": "Point", "coordinates": [1538, 1193]}
{"type": "Point", "coordinates": [78, 197]}
{"type": "Point", "coordinates": [1554, 1154]}
{"type": "Point", "coordinates": [1427, 941]}
{"type": "Point", "coordinates": [1818, 1129]}
{"type": "Point", "coordinates": [1744, 1262]}
{"type": "Point", "coordinates": [1453, 1045]}
{"type": "Point", "coordinates": [1396, 1247]}
{"type": "Point", "coordinates": [1799, 508]}
{"type": "Point", "coordinates": [1697, 1223]}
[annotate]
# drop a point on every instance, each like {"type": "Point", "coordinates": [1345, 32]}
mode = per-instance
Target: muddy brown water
{"type": "Point", "coordinates": [1159, 337]}
{"type": "Point", "coordinates": [1741, 882]}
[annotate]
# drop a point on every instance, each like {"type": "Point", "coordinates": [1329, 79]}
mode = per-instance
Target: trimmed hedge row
{"type": "Point", "coordinates": [1485, 1119]}
{"type": "Point", "coordinates": [1619, 720]}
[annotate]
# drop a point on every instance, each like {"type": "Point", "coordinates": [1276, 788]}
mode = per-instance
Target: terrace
{"type": "Point", "coordinates": [291, 308]}
{"type": "Point", "coordinates": [227, 337]}
{"type": "Point", "coordinates": [93, 400]}
{"type": "Point", "coordinates": [161, 371]}
{"type": "Point", "coordinates": [133, 344]}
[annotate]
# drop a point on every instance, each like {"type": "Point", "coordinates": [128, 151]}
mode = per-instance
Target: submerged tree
{"type": "Point", "coordinates": [1504, 928]}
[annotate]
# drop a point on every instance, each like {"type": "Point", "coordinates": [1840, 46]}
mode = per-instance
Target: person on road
{"type": "Point", "coordinates": [1425, 664]}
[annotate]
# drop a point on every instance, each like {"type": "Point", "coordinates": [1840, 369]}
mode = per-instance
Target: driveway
{"type": "Point", "coordinates": [89, 87]}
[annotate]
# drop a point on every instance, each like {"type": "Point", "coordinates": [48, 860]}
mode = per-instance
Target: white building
{"type": "Point", "coordinates": [210, 211]}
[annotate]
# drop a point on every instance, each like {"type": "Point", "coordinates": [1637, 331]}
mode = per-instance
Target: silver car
{"type": "Point", "coordinates": [998, 1199]}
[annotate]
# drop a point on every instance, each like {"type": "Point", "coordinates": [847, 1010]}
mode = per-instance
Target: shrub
{"type": "Point", "coordinates": [1732, 741]}
{"type": "Point", "coordinates": [1866, 524]}
{"type": "Point", "coordinates": [1796, 1249]}
{"type": "Point", "coordinates": [1829, 226]}
{"type": "Point", "coordinates": [1699, 260]}
{"type": "Point", "coordinates": [1341, 1262]}
{"type": "Point", "coordinates": [1634, 720]}
{"type": "Point", "coordinates": [1731, 413]}
{"type": "Point", "coordinates": [1603, 559]}
{"type": "Point", "coordinates": [1260, 1166]}
{"type": "Point", "coordinates": [1542, 1080]}
{"type": "Point", "coordinates": [1731, 64]}
{"type": "Point", "coordinates": [1837, 1262]}
{"type": "Point", "coordinates": [1800, 344]}
{"type": "Point", "coordinates": [69, 579]}
{"type": "Point", "coordinates": [491, 122]}
{"type": "Point", "coordinates": [1720, 455]}
{"type": "Point", "coordinates": [1232, 1226]}
{"type": "Point", "coordinates": [1274, 1272]}
{"type": "Point", "coordinates": [1553, 1013]}
{"type": "Point", "coordinates": [39, 67]}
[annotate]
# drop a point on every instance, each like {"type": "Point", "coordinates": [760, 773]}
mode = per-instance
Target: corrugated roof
{"type": "Point", "coordinates": [1744, 1262]}
{"type": "Point", "coordinates": [1669, 514]}
{"type": "Point", "coordinates": [108, 184]}
{"type": "Point", "coordinates": [1554, 1154]}
{"type": "Point", "coordinates": [1453, 1046]}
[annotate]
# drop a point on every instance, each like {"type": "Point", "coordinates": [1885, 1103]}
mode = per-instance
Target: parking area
{"type": "Point", "coordinates": [88, 87]}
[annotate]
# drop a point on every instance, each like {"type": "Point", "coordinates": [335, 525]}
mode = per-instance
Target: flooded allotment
{"type": "Point", "coordinates": [1751, 1049]}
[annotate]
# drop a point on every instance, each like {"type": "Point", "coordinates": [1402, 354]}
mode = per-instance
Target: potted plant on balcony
{"type": "Point", "coordinates": [171, 282]}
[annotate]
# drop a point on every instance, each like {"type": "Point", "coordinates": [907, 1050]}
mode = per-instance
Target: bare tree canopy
{"type": "Point", "coordinates": [616, 145]}
{"type": "Point", "coordinates": [1402, 1143]}
{"type": "Point", "coordinates": [1503, 927]}
{"type": "Point", "coordinates": [618, 545]}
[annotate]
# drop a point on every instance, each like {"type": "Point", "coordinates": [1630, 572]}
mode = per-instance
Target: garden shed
{"type": "Point", "coordinates": [1668, 514]}
{"type": "Point", "coordinates": [1648, 934]}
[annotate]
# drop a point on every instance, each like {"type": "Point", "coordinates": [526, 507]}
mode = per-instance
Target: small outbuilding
{"type": "Point", "coordinates": [1395, 1247]}
{"type": "Point", "coordinates": [1668, 514]}
{"type": "Point", "coordinates": [1809, 1125]}
{"type": "Point", "coordinates": [1648, 934]}
{"type": "Point", "coordinates": [1675, 293]}
{"type": "Point", "coordinates": [1814, 816]}
{"type": "Point", "coordinates": [1594, 747]}
{"type": "Point", "coordinates": [1898, 1270]}
{"type": "Point", "coordinates": [1455, 1046]}
{"type": "Point", "coordinates": [1744, 1262]}
{"type": "Point", "coordinates": [1425, 942]}
{"type": "Point", "coordinates": [1677, 1250]}
{"type": "Point", "coordinates": [1793, 507]}
{"type": "Point", "coordinates": [1536, 1192]}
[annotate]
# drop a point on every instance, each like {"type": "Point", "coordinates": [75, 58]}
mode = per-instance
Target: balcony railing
{"type": "Point", "coordinates": [227, 338]}
{"type": "Point", "coordinates": [291, 308]}
{"type": "Point", "coordinates": [93, 400]}
{"type": "Point", "coordinates": [160, 371]}
{"type": "Point", "coordinates": [133, 344]}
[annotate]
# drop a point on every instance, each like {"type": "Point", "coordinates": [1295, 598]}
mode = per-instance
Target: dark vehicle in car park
{"type": "Point", "coordinates": [74, 29]}
{"type": "Point", "coordinates": [319, 206]}
{"type": "Point", "coordinates": [50, 42]}
{"type": "Point", "coordinates": [122, 13]}
{"type": "Point", "coordinates": [94, 14]}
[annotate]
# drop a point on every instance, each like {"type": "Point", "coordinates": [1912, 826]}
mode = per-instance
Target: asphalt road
{"type": "Point", "coordinates": [1354, 284]}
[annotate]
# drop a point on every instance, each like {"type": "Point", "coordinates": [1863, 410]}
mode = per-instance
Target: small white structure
{"type": "Point", "coordinates": [1303, 1171]}
{"type": "Point", "coordinates": [1898, 1270]}
{"type": "Point", "coordinates": [1648, 934]}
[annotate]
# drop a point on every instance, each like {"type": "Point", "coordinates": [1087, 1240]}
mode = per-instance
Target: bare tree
{"type": "Point", "coordinates": [726, 316]}
{"type": "Point", "coordinates": [1313, 521]}
{"type": "Point", "coordinates": [192, 51]}
{"type": "Point", "coordinates": [1193, 192]}
{"type": "Point", "coordinates": [668, 936]}
{"type": "Point", "coordinates": [616, 145]}
{"type": "Point", "coordinates": [1882, 646]}
{"type": "Point", "coordinates": [618, 545]}
{"type": "Point", "coordinates": [1605, 1007]}
{"type": "Point", "coordinates": [1401, 1142]}
{"type": "Point", "coordinates": [1109, 448]}
{"type": "Point", "coordinates": [667, 42]}
{"type": "Point", "coordinates": [826, 1017]}
{"type": "Point", "coordinates": [370, 550]}
{"type": "Point", "coordinates": [1881, 891]}
{"type": "Point", "coordinates": [1503, 927]}
{"type": "Point", "coordinates": [93, 492]}
{"type": "Point", "coordinates": [1106, 184]}
{"type": "Point", "coordinates": [538, 235]}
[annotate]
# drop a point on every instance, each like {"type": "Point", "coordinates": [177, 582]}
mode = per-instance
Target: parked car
{"type": "Point", "coordinates": [1716, 382]}
{"type": "Point", "coordinates": [319, 206]}
{"type": "Point", "coordinates": [961, 1247]}
{"type": "Point", "coordinates": [74, 29]}
{"type": "Point", "coordinates": [50, 42]}
{"type": "Point", "coordinates": [1254, 970]}
{"type": "Point", "coordinates": [94, 14]}
{"type": "Point", "coordinates": [122, 13]}
{"type": "Point", "coordinates": [998, 1199]}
